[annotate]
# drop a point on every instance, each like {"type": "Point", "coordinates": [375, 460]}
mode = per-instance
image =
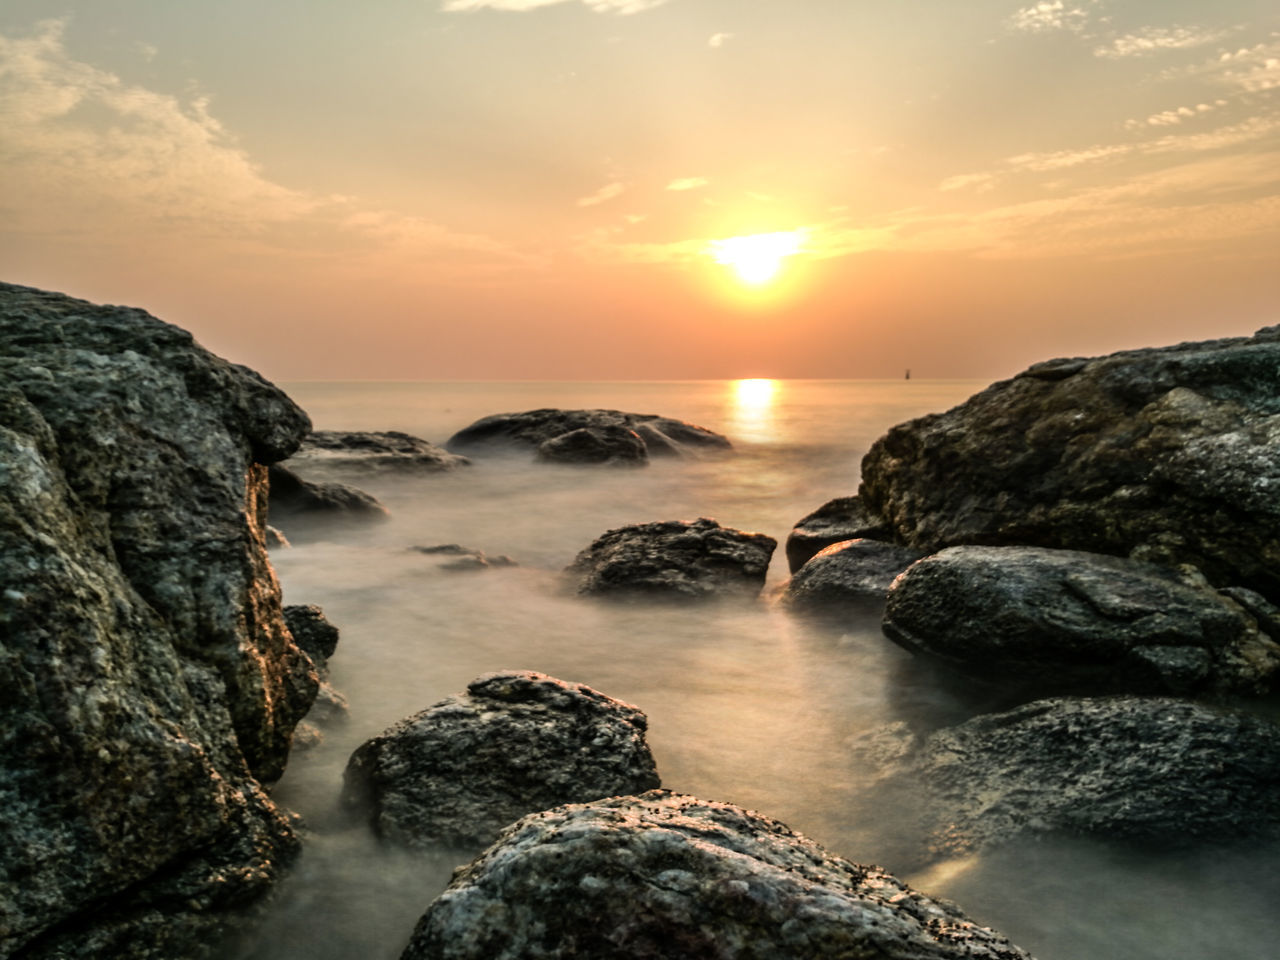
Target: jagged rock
{"type": "Point", "coordinates": [275, 538]}
{"type": "Point", "coordinates": [661, 436]}
{"type": "Point", "coordinates": [313, 632]}
{"type": "Point", "coordinates": [674, 559]}
{"type": "Point", "coordinates": [662, 875]}
{"type": "Point", "coordinates": [852, 577]}
{"type": "Point", "coordinates": [609, 445]}
{"type": "Point", "coordinates": [1169, 454]}
{"type": "Point", "coordinates": [1152, 770]}
{"type": "Point", "coordinates": [301, 505]}
{"type": "Point", "coordinates": [845, 518]}
{"type": "Point", "coordinates": [1066, 621]}
{"type": "Point", "coordinates": [362, 452]}
{"type": "Point", "coordinates": [514, 743]}
{"type": "Point", "coordinates": [150, 682]}
{"type": "Point", "coordinates": [465, 558]}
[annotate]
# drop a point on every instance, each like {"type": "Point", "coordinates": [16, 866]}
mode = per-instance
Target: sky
{"type": "Point", "coordinates": [543, 189]}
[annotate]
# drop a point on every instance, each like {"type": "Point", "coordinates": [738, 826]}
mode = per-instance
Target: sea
{"type": "Point", "coordinates": [746, 704]}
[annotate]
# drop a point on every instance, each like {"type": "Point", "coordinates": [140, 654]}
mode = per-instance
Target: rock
{"type": "Point", "coordinates": [845, 518]}
{"type": "Point", "coordinates": [608, 445]}
{"type": "Point", "coordinates": [660, 436]}
{"type": "Point", "coordinates": [361, 452]}
{"type": "Point", "coordinates": [150, 681]}
{"type": "Point", "coordinates": [1149, 770]}
{"type": "Point", "coordinates": [313, 632]}
{"type": "Point", "coordinates": [514, 743]}
{"type": "Point", "coordinates": [275, 538]}
{"type": "Point", "coordinates": [674, 559]}
{"type": "Point", "coordinates": [465, 558]}
{"type": "Point", "coordinates": [301, 504]}
{"type": "Point", "coordinates": [1170, 454]}
{"type": "Point", "coordinates": [849, 578]}
{"type": "Point", "coordinates": [663, 875]}
{"type": "Point", "coordinates": [1066, 621]}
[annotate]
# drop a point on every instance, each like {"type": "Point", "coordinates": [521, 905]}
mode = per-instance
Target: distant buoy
{"type": "Point", "coordinates": [908, 376]}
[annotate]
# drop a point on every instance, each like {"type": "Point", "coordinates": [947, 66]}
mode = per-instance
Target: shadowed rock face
{"type": "Point", "coordinates": [1171, 454]}
{"type": "Point", "coordinates": [610, 445]}
{"type": "Point", "coordinates": [150, 681]}
{"type": "Point", "coordinates": [845, 518]}
{"type": "Point", "coordinates": [659, 436]}
{"type": "Point", "coordinates": [674, 559]}
{"type": "Point", "coordinates": [303, 507]}
{"type": "Point", "coordinates": [461, 770]}
{"type": "Point", "coordinates": [1147, 769]}
{"type": "Point", "coordinates": [848, 578]}
{"type": "Point", "coordinates": [662, 875]}
{"type": "Point", "coordinates": [1066, 621]}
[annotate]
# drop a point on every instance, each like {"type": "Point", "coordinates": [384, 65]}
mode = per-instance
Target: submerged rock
{"type": "Point", "coordinates": [1145, 769]}
{"type": "Point", "coordinates": [1059, 621]}
{"type": "Point", "coordinates": [848, 578]}
{"type": "Point", "coordinates": [1169, 454]}
{"type": "Point", "coordinates": [674, 559]}
{"type": "Point", "coordinates": [365, 452]}
{"type": "Point", "coordinates": [150, 681]}
{"type": "Point", "coordinates": [303, 506]}
{"type": "Point", "coordinates": [845, 518]}
{"type": "Point", "coordinates": [531, 430]}
{"type": "Point", "coordinates": [459, 559]}
{"type": "Point", "coordinates": [514, 743]}
{"type": "Point", "coordinates": [662, 875]}
{"type": "Point", "coordinates": [607, 445]}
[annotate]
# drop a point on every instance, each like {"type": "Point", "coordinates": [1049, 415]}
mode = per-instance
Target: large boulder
{"type": "Point", "coordinates": [848, 578]}
{"type": "Point", "coordinates": [675, 560]}
{"type": "Point", "coordinates": [608, 445]}
{"type": "Point", "coordinates": [1147, 770]}
{"type": "Point", "coordinates": [844, 518]}
{"type": "Point", "coordinates": [1062, 621]}
{"type": "Point", "coordinates": [150, 681]}
{"type": "Point", "coordinates": [305, 506]}
{"type": "Point", "coordinates": [663, 875]}
{"type": "Point", "coordinates": [514, 743]}
{"type": "Point", "coordinates": [367, 452]}
{"type": "Point", "coordinates": [530, 430]}
{"type": "Point", "coordinates": [1172, 454]}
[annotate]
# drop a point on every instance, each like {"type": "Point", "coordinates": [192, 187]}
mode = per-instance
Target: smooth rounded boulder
{"type": "Point", "coordinates": [606, 445]}
{"type": "Point", "coordinates": [851, 578]}
{"type": "Point", "coordinates": [372, 452]}
{"type": "Point", "coordinates": [1066, 621]}
{"type": "Point", "coordinates": [844, 518]}
{"type": "Point", "coordinates": [661, 876]}
{"type": "Point", "coordinates": [673, 560]}
{"type": "Point", "coordinates": [514, 743]}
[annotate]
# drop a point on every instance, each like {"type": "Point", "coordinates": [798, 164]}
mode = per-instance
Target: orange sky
{"type": "Point", "coordinates": [491, 189]}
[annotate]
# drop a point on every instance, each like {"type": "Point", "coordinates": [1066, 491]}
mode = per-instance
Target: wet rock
{"type": "Point", "coordinates": [663, 875]}
{"type": "Point", "coordinates": [276, 539]}
{"type": "Point", "coordinates": [848, 578]}
{"type": "Point", "coordinates": [1169, 454]}
{"type": "Point", "coordinates": [1151, 770]}
{"type": "Point", "coordinates": [514, 743]}
{"type": "Point", "coordinates": [845, 518]}
{"type": "Point", "coordinates": [1056, 621]}
{"type": "Point", "coordinates": [303, 506]}
{"type": "Point", "coordinates": [460, 559]}
{"type": "Point", "coordinates": [313, 632]}
{"type": "Point", "coordinates": [674, 559]}
{"type": "Point", "coordinates": [363, 452]}
{"type": "Point", "coordinates": [606, 445]}
{"type": "Point", "coordinates": [660, 436]}
{"type": "Point", "coordinates": [150, 681]}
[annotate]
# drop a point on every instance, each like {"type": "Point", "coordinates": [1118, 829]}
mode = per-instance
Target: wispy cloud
{"type": "Point", "coordinates": [718, 40]}
{"type": "Point", "coordinates": [977, 181]}
{"type": "Point", "coordinates": [621, 7]}
{"type": "Point", "coordinates": [607, 192]}
{"type": "Point", "coordinates": [687, 183]}
{"type": "Point", "coordinates": [1048, 16]}
{"type": "Point", "coordinates": [1176, 116]}
{"type": "Point", "coordinates": [1155, 39]}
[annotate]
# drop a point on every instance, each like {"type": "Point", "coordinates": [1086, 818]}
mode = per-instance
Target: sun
{"type": "Point", "coordinates": [756, 258]}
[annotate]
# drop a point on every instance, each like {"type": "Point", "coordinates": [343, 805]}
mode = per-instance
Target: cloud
{"type": "Point", "coordinates": [978, 181]}
{"type": "Point", "coordinates": [1062, 159]}
{"type": "Point", "coordinates": [1048, 16]}
{"type": "Point", "coordinates": [687, 183]}
{"type": "Point", "coordinates": [1171, 118]}
{"type": "Point", "coordinates": [1154, 39]}
{"type": "Point", "coordinates": [621, 7]}
{"type": "Point", "coordinates": [607, 192]}
{"type": "Point", "coordinates": [718, 40]}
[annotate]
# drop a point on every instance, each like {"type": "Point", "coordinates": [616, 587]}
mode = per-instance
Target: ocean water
{"type": "Point", "coordinates": [745, 703]}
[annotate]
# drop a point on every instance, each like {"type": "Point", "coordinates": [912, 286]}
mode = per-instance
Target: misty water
{"type": "Point", "coordinates": [745, 703]}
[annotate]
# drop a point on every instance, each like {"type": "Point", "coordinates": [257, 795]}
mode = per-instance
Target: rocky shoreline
{"type": "Point", "coordinates": [1094, 539]}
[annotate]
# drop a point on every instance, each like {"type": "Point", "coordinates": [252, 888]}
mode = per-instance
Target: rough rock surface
{"type": "Point", "coordinates": [361, 452]}
{"type": "Point", "coordinates": [150, 682]}
{"type": "Point", "coordinates": [852, 577]}
{"type": "Point", "coordinates": [662, 436]}
{"type": "Point", "coordinates": [1066, 621]}
{"type": "Point", "coordinates": [318, 639]}
{"type": "Point", "coordinates": [605, 445]}
{"type": "Point", "coordinates": [662, 875]}
{"type": "Point", "coordinates": [456, 558]}
{"type": "Point", "coordinates": [674, 559]}
{"type": "Point", "coordinates": [514, 743]}
{"type": "Point", "coordinates": [303, 506]}
{"type": "Point", "coordinates": [1171, 452]}
{"type": "Point", "coordinates": [845, 518]}
{"type": "Point", "coordinates": [1144, 769]}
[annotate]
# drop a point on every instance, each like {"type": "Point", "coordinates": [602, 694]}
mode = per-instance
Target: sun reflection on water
{"type": "Point", "coordinates": [751, 408]}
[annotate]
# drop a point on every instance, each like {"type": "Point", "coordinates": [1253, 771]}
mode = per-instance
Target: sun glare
{"type": "Point", "coordinates": [756, 258]}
